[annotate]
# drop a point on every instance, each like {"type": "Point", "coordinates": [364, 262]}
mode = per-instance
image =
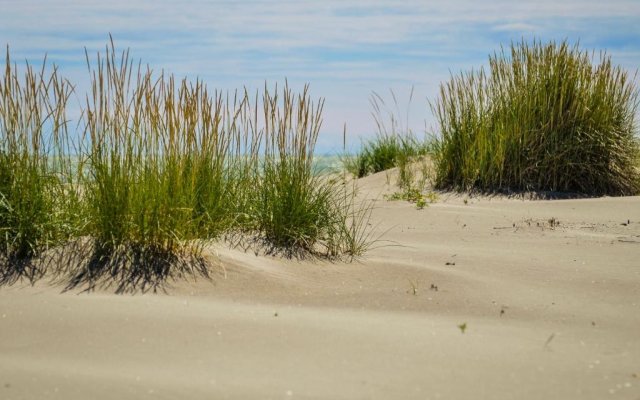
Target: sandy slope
{"type": "Point", "coordinates": [550, 313]}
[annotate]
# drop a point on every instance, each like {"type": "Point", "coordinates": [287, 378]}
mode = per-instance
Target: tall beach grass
{"type": "Point", "coordinates": [160, 168]}
{"type": "Point", "coordinates": [297, 209]}
{"type": "Point", "coordinates": [544, 117]}
{"type": "Point", "coordinates": [153, 184]}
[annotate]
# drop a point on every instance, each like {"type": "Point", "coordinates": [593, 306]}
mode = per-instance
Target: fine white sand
{"type": "Point", "coordinates": [550, 313]}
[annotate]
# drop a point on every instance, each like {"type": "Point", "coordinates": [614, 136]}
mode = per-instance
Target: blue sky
{"type": "Point", "coordinates": [345, 49]}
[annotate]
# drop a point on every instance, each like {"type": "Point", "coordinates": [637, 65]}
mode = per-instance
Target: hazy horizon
{"type": "Point", "coordinates": [344, 49]}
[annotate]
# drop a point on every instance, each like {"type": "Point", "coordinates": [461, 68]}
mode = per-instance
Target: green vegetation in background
{"type": "Point", "coordinates": [393, 145]}
{"type": "Point", "coordinates": [543, 117]}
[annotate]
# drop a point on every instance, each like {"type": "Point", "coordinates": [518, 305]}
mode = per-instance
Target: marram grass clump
{"type": "Point", "coordinates": [298, 211]}
{"type": "Point", "coordinates": [543, 117]}
{"type": "Point", "coordinates": [152, 176]}
{"type": "Point", "coordinates": [157, 170]}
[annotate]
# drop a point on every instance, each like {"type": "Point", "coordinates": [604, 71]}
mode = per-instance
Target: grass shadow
{"type": "Point", "coordinates": [17, 269]}
{"type": "Point", "coordinates": [260, 245]}
{"type": "Point", "coordinates": [86, 265]}
{"type": "Point", "coordinates": [519, 194]}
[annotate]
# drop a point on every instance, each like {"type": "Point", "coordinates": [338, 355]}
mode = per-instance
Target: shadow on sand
{"type": "Point", "coordinates": [86, 266]}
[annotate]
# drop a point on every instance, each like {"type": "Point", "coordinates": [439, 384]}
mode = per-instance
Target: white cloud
{"type": "Point", "coordinates": [516, 27]}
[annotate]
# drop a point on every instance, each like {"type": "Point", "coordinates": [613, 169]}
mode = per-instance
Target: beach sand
{"type": "Point", "coordinates": [492, 298]}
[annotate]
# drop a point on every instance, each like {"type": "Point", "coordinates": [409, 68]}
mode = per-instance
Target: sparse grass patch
{"type": "Point", "coordinates": [413, 195]}
{"type": "Point", "coordinates": [547, 117]}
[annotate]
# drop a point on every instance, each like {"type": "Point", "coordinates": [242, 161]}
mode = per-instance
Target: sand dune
{"type": "Point", "coordinates": [548, 293]}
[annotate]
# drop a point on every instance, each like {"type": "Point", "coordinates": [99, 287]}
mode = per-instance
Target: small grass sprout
{"type": "Point", "coordinates": [413, 195]}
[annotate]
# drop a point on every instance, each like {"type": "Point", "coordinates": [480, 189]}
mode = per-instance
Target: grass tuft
{"type": "Point", "coordinates": [298, 211]}
{"type": "Point", "coordinates": [543, 117]}
{"type": "Point", "coordinates": [153, 171]}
